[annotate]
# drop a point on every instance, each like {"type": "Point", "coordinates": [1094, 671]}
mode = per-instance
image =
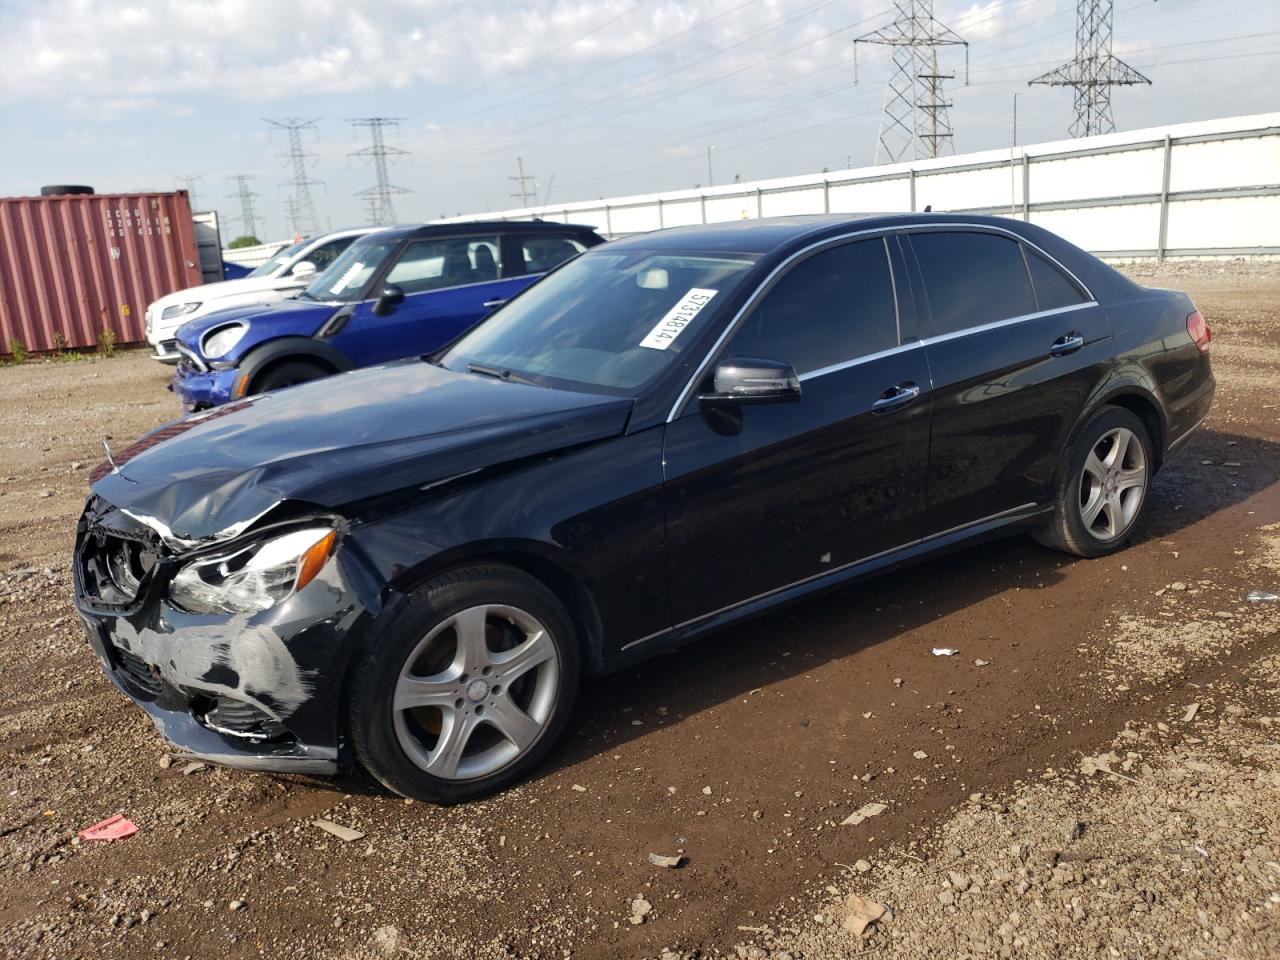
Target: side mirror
{"type": "Point", "coordinates": [302, 269]}
{"type": "Point", "coordinates": [387, 300]}
{"type": "Point", "coordinates": [748, 380]}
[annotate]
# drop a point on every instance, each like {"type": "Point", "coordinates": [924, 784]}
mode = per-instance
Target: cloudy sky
{"type": "Point", "coordinates": [599, 97]}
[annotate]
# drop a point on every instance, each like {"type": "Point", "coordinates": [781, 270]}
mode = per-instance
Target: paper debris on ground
{"type": "Point", "coordinates": [945, 651]}
{"type": "Point", "coordinates": [860, 913]}
{"type": "Point", "coordinates": [862, 813]}
{"type": "Point", "coordinates": [345, 834]}
{"type": "Point", "coordinates": [1191, 713]}
{"type": "Point", "coordinates": [113, 828]}
{"type": "Point", "coordinates": [658, 860]}
{"type": "Point", "coordinates": [1262, 596]}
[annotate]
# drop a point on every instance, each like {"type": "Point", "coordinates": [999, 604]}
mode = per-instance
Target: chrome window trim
{"type": "Point", "coordinates": [997, 324]}
{"type": "Point", "coordinates": [1012, 511]}
{"type": "Point", "coordinates": [846, 364]}
{"type": "Point", "coordinates": [678, 407]}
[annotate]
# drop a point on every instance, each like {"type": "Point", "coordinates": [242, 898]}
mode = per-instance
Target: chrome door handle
{"type": "Point", "coordinates": [1067, 343]}
{"type": "Point", "coordinates": [895, 398]}
{"type": "Point", "coordinates": [490, 304]}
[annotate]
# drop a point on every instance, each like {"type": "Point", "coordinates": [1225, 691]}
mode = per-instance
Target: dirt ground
{"type": "Point", "coordinates": [1048, 791]}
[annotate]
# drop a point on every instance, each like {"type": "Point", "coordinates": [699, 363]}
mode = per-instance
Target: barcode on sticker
{"type": "Point", "coordinates": [677, 318]}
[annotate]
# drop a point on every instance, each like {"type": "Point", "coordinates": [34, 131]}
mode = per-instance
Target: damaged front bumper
{"type": "Point", "coordinates": [202, 389]}
{"type": "Point", "coordinates": [259, 691]}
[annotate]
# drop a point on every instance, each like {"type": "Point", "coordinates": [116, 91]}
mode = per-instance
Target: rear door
{"type": "Point", "coordinates": [449, 284]}
{"type": "Point", "coordinates": [1012, 362]}
{"type": "Point", "coordinates": [762, 496]}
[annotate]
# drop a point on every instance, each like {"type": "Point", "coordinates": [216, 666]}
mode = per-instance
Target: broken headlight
{"type": "Point", "coordinates": [254, 577]}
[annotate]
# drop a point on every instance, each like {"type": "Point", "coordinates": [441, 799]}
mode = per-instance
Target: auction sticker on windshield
{"type": "Point", "coordinates": [677, 318]}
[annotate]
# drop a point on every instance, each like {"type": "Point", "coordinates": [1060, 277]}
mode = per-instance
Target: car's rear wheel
{"type": "Point", "coordinates": [468, 689]}
{"type": "Point", "coordinates": [1103, 489]}
{"type": "Point", "coordinates": [287, 374]}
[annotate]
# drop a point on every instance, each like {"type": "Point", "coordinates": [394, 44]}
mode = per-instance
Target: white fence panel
{"type": "Point", "coordinates": [1190, 189]}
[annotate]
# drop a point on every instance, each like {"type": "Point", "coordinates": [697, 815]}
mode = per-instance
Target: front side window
{"type": "Point", "coordinates": [834, 306]}
{"type": "Point", "coordinates": [279, 260]}
{"type": "Point", "coordinates": [612, 320]}
{"type": "Point", "coordinates": [347, 277]}
{"type": "Point", "coordinates": [543, 253]}
{"type": "Point", "coordinates": [972, 278]}
{"type": "Point", "coordinates": [434, 264]}
{"type": "Point", "coordinates": [324, 255]}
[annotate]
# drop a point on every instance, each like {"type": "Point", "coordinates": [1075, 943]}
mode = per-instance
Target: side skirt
{"type": "Point", "coordinates": [991, 528]}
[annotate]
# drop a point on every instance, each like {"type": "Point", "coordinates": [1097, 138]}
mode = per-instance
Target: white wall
{"type": "Point", "coordinates": [1206, 188]}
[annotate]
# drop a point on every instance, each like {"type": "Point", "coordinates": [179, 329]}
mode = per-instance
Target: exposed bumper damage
{"type": "Point", "coordinates": [240, 690]}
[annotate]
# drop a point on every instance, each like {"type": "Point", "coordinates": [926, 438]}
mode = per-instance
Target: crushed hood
{"type": "Point", "coordinates": [341, 439]}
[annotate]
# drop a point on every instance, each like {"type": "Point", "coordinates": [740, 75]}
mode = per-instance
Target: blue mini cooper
{"type": "Point", "coordinates": [396, 293]}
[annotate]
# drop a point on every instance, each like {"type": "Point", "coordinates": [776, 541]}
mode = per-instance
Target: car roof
{"type": "Point", "coordinates": [487, 227]}
{"type": "Point", "coordinates": [765, 235]}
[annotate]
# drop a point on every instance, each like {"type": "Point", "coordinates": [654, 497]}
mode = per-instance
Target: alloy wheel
{"type": "Point", "coordinates": [1113, 484]}
{"type": "Point", "coordinates": [476, 692]}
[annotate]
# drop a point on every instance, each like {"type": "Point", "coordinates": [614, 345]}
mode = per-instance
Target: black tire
{"type": "Point", "coordinates": [287, 374]}
{"type": "Point", "coordinates": [371, 715]}
{"type": "Point", "coordinates": [65, 189]}
{"type": "Point", "coordinates": [1066, 529]}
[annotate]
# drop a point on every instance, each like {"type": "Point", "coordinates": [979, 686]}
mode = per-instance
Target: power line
{"type": "Point", "coordinates": [916, 121]}
{"type": "Point", "coordinates": [302, 210]}
{"type": "Point", "coordinates": [377, 153]}
{"type": "Point", "coordinates": [248, 220]}
{"type": "Point", "coordinates": [1093, 72]}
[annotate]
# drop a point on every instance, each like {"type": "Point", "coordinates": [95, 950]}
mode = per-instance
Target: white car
{"type": "Point", "coordinates": [283, 275]}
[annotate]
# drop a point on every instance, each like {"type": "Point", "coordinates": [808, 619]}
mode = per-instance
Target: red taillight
{"type": "Point", "coordinates": [1199, 331]}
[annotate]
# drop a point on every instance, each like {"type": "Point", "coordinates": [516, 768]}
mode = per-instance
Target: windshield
{"type": "Point", "coordinates": [346, 278]}
{"type": "Point", "coordinates": [279, 260]}
{"type": "Point", "coordinates": [611, 319]}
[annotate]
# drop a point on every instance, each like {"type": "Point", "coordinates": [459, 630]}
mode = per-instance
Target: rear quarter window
{"type": "Point", "coordinates": [972, 279]}
{"type": "Point", "coordinates": [1053, 288]}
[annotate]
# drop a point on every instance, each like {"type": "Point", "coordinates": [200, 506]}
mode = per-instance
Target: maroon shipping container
{"type": "Point", "coordinates": [76, 265]}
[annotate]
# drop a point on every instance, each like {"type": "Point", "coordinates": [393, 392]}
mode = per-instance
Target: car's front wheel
{"type": "Point", "coordinates": [468, 689]}
{"type": "Point", "coordinates": [1103, 489]}
{"type": "Point", "coordinates": [286, 374]}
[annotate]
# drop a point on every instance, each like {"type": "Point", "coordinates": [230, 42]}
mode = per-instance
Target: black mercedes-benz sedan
{"type": "Point", "coordinates": [412, 566]}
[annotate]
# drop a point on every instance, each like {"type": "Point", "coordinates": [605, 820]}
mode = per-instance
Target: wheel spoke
{"type": "Point", "coordinates": [1119, 446]}
{"type": "Point", "coordinates": [455, 733]}
{"type": "Point", "coordinates": [1089, 512]}
{"type": "Point", "coordinates": [510, 666]}
{"type": "Point", "coordinates": [1094, 468]}
{"type": "Point", "coordinates": [414, 692]}
{"type": "Point", "coordinates": [1112, 508]}
{"type": "Point", "coordinates": [473, 648]}
{"type": "Point", "coordinates": [512, 722]}
{"type": "Point", "coordinates": [1135, 477]}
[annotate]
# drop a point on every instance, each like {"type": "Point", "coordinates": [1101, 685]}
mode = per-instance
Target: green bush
{"type": "Point", "coordinates": [59, 342]}
{"type": "Point", "coordinates": [239, 242]}
{"type": "Point", "coordinates": [107, 342]}
{"type": "Point", "coordinates": [17, 350]}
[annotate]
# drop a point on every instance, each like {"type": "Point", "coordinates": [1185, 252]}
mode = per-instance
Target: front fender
{"type": "Point", "coordinates": [261, 356]}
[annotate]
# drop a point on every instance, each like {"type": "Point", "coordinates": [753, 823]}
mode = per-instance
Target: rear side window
{"type": "Point", "coordinates": [1053, 289]}
{"type": "Point", "coordinates": [542, 253]}
{"type": "Point", "coordinates": [835, 306]}
{"type": "Point", "coordinates": [972, 279]}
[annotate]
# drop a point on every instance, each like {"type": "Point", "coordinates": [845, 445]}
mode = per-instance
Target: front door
{"type": "Point", "coordinates": [449, 285]}
{"type": "Point", "coordinates": [762, 496]}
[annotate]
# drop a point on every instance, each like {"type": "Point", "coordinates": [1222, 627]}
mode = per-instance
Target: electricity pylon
{"type": "Point", "coordinates": [915, 123]}
{"type": "Point", "coordinates": [248, 219]}
{"type": "Point", "coordinates": [302, 209]}
{"type": "Point", "coordinates": [377, 152]}
{"type": "Point", "coordinates": [1093, 72]}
